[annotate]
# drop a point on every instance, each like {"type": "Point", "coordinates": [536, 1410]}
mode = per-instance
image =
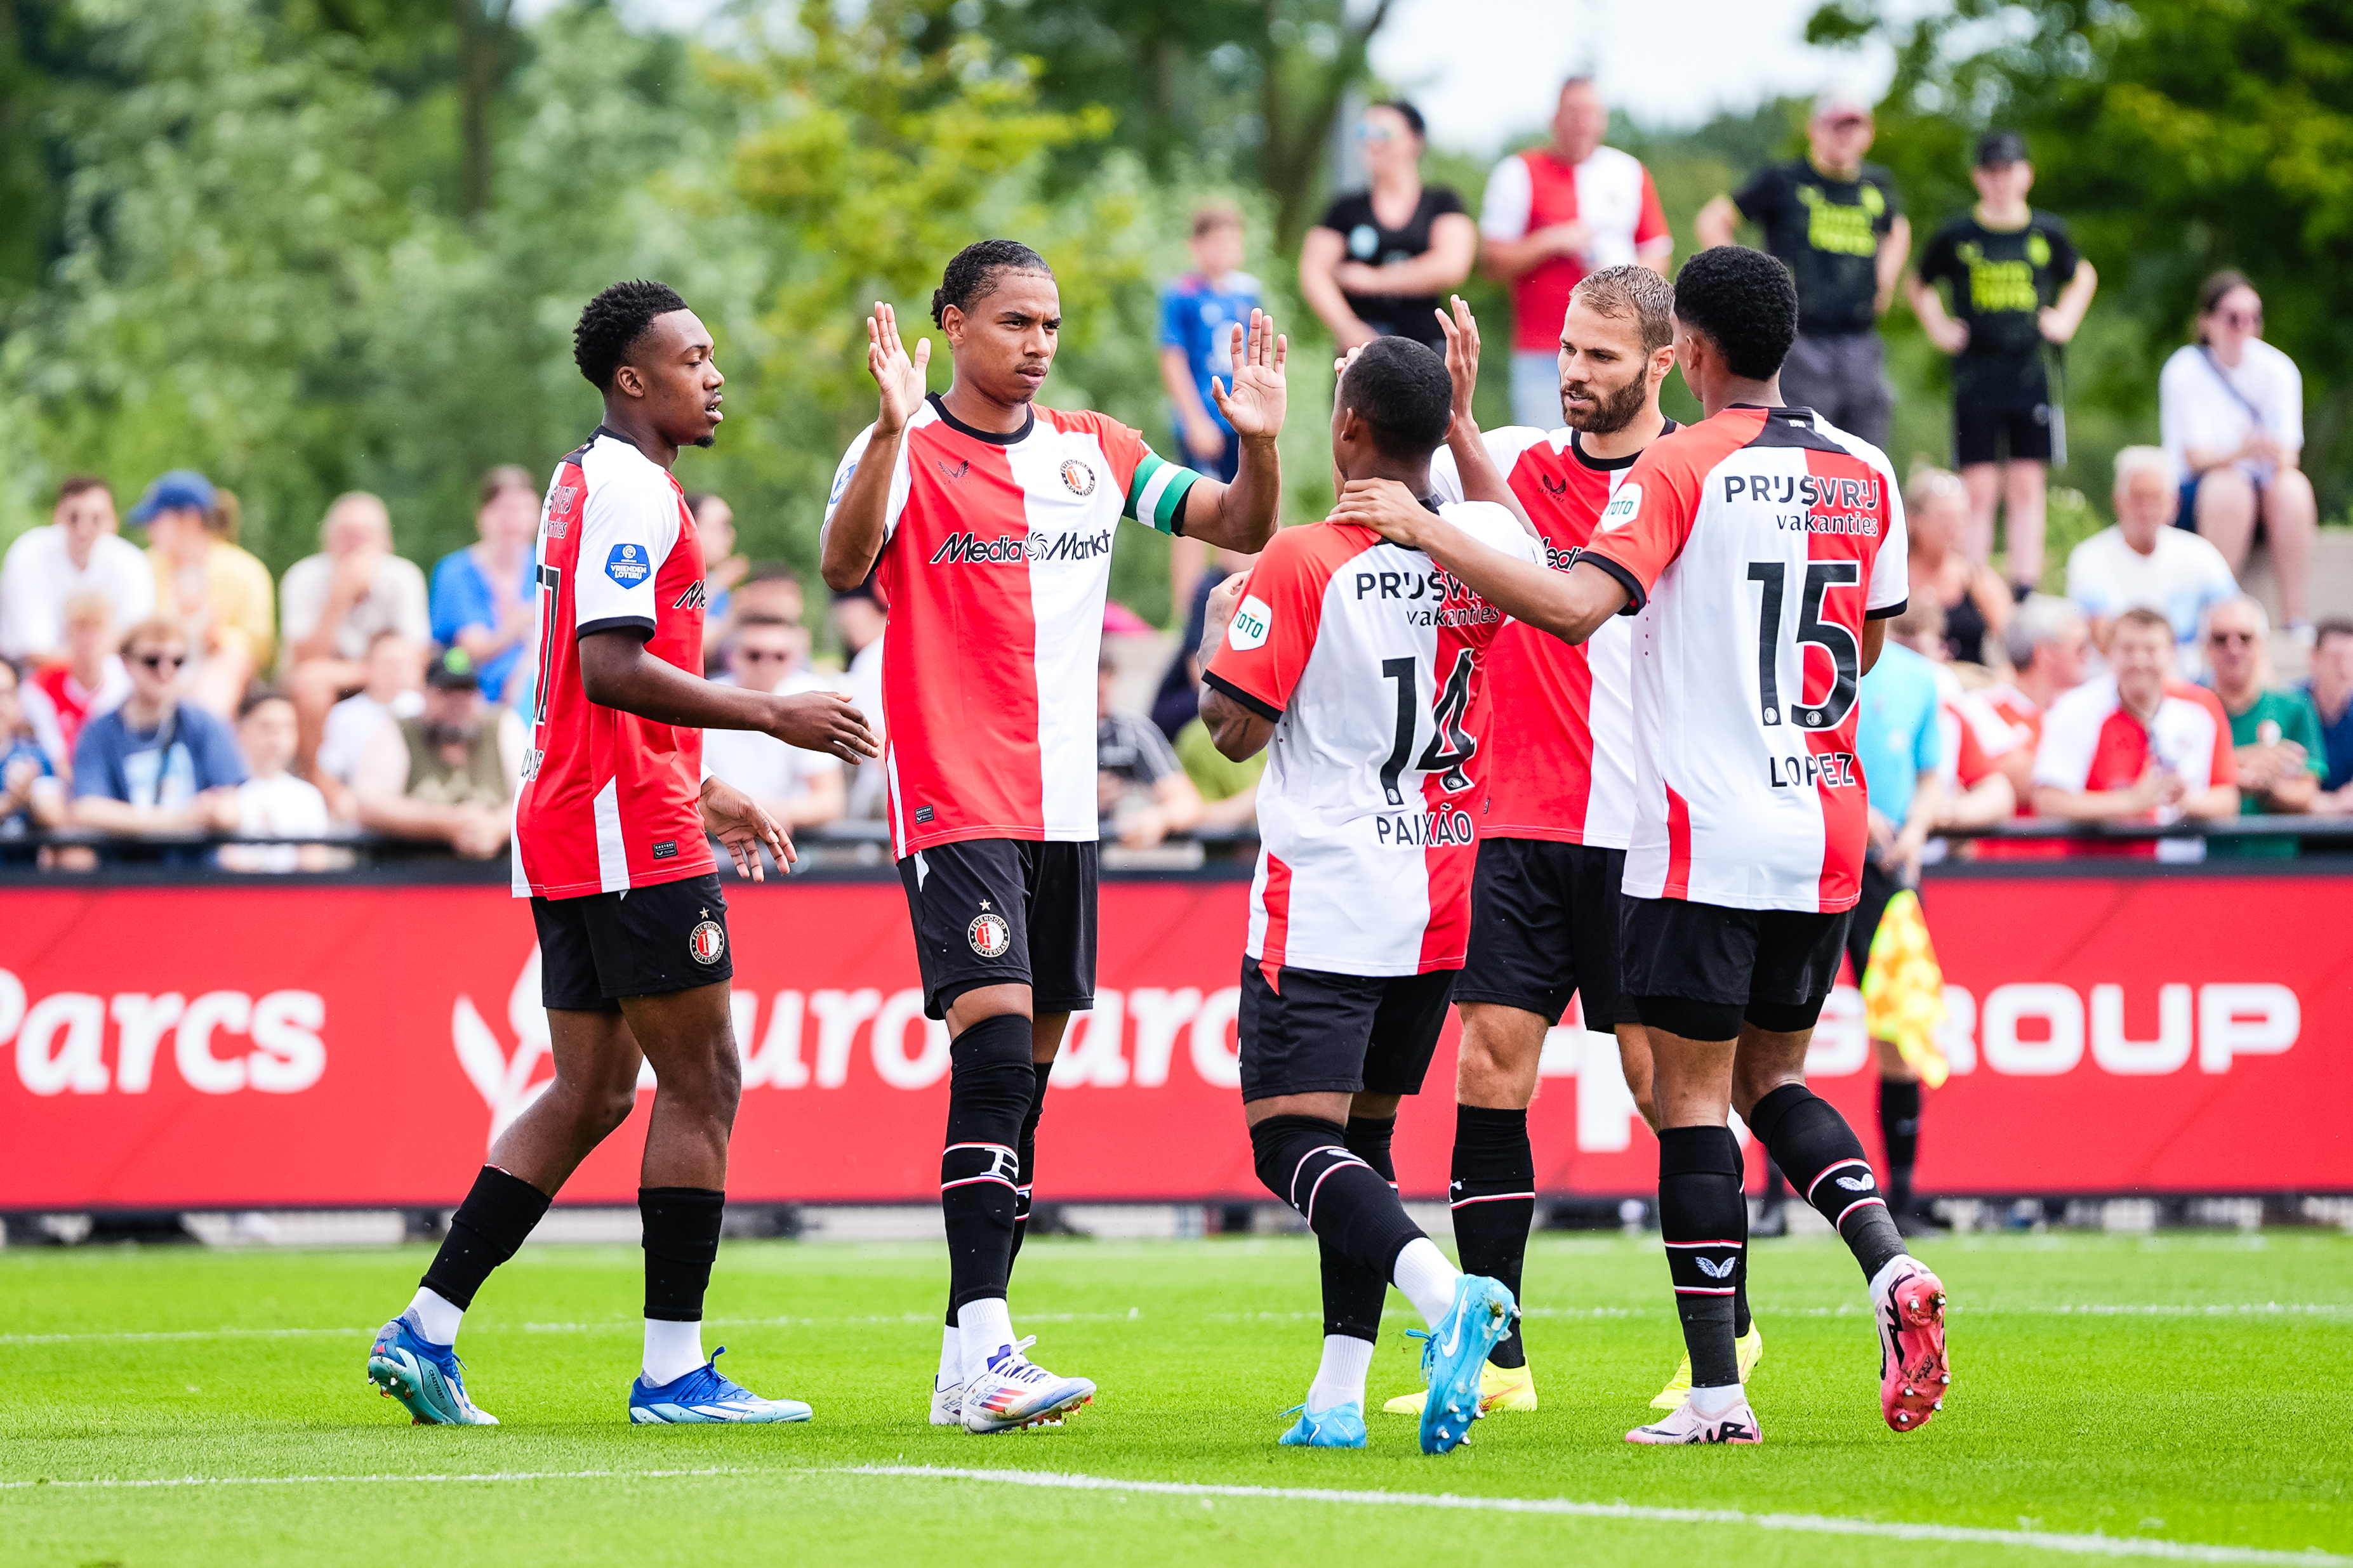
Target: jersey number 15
{"type": "Point", "coordinates": [1846, 655]}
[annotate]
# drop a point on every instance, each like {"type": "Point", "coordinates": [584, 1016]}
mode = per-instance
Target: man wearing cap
{"type": "Point", "coordinates": [221, 595]}
{"type": "Point", "coordinates": [1833, 220]}
{"type": "Point", "coordinates": [447, 775]}
{"type": "Point", "coordinates": [2018, 292]}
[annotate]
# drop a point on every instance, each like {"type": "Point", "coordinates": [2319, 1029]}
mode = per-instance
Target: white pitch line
{"type": "Point", "coordinates": [110, 1483]}
{"type": "Point", "coordinates": [1803, 1523]}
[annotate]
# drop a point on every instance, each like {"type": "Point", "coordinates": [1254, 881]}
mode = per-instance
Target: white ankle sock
{"type": "Point", "coordinates": [1888, 1270]}
{"type": "Point", "coordinates": [433, 1317]}
{"type": "Point", "coordinates": [987, 1326]}
{"type": "Point", "coordinates": [1711, 1403]}
{"type": "Point", "coordinates": [951, 1357]}
{"type": "Point", "coordinates": [1427, 1278]}
{"type": "Point", "coordinates": [672, 1350]}
{"type": "Point", "coordinates": [1340, 1379]}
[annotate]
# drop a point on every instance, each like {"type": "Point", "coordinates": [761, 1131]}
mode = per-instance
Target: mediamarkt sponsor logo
{"type": "Point", "coordinates": [1005, 549]}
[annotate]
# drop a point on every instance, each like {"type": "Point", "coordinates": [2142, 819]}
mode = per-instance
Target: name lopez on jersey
{"type": "Point", "coordinates": [1446, 599]}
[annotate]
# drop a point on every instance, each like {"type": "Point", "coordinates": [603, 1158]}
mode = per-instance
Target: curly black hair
{"type": "Point", "coordinates": [1401, 389]}
{"type": "Point", "coordinates": [613, 323]}
{"type": "Point", "coordinates": [972, 274]}
{"type": "Point", "coordinates": [1744, 303]}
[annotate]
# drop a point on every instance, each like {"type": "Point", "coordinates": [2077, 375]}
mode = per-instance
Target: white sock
{"type": "Point", "coordinates": [1900, 1263]}
{"type": "Point", "coordinates": [672, 1350]}
{"type": "Point", "coordinates": [1427, 1278]}
{"type": "Point", "coordinates": [987, 1326]}
{"type": "Point", "coordinates": [1340, 1379]}
{"type": "Point", "coordinates": [433, 1317]}
{"type": "Point", "coordinates": [1710, 1402]}
{"type": "Point", "coordinates": [951, 1357]}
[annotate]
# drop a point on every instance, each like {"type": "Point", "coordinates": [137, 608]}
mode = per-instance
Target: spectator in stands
{"type": "Point", "coordinates": [1972, 790]}
{"type": "Point", "coordinates": [1975, 602]}
{"type": "Point", "coordinates": [158, 764]}
{"type": "Point", "coordinates": [2018, 292]}
{"type": "Point", "coordinates": [2138, 561]}
{"type": "Point", "coordinates": [2275, 735]}
{"type": "Point", "coordinates": [1229, 789]}
{"type": "Point", "coordinates": [2230, 411]}
{"type": "Point", "coordinates": [448, 776]}
{"type": "Point", "coordinates": [2331, 690]}
{"type": "Point", "coordinates": [1179, 697]}
{"type": "Point", "coordinates": [392, 687]}
{"type": "Point", "coordinates": [30, 796]}
{"type": "Point", "coordinates": [714, 525]}
{"type": "Point", "coordinates": [220, 595]}
{"type": "Point", "coordinates": [1550, 215]}
{"type": "Point", "coordinates": [768, 588]}
{"type": "Point", "coordinates": [799, 788]}
{"type": "Point", "coordinates": [2049, 648]}
{"type": "Point", "coordinates": [1198, 313]}
{"type": "Point", "coordinates": [485, 597]}
{"type": "Point", "coordinates": [1833, 219]}
{"type": "Point", "coordinates": [332, 606]}
{"type": "Point", "coordinates": [272, 803]}
{"type": "Point", "coordinates": [1377, 261]}
{"type": "Point", "coordinates": [61, 698]}
{"type": "Point", "coordinates": [79, 551]}
{"type": "Point", "coordinates": [1142, 795]}
{"type": "Point", "coordinates": [2137, 745]}
{"type": "Point", "coordinates": [859, 621]}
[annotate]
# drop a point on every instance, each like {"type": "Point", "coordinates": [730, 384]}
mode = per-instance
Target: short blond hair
{"type": "Point", "coordinates": [155, 631]}
{"type": "Point", "coordinates": [1632, 291]}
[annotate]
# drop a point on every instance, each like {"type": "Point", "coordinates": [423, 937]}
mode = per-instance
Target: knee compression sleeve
{"type": "Point", "coordinates": [682, 1241]}
{"type": "Point", "coordinates": [487, 1228]}
{"type": "Point", "coordinates": [1824, 1161]}
{"type": "Point", "coordinates": [1492, 1198]}
{"type": "Point", "coordinates": [990, 1090]}
{"type": "Point", "coordinates": [1306, 1162]}
{"type": "Point", "coordinates": [1704, 1222]}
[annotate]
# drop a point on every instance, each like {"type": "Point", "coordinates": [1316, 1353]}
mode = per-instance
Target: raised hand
{"type": "Point", "coordinates": [823, 721]}
{"type": "Point", "coordinates": [900, 378]}
{"type": "Point", "coordinates": [737, 820]}
{"type": "Point", "coordinates": [1462, 354]}
{"type": "Point", "coordinates": [1256, 405]}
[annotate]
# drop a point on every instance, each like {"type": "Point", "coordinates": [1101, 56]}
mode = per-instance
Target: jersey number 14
{"type": "Point", "coordinates": [1451, 747]}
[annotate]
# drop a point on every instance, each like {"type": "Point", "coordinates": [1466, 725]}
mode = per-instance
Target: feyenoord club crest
{"type": "Point", "coordinates": [1079, 477]}
{"type": "Point", "coordinates": [989, 935]}
{"type": "Point", "coordinates": [707, 942]}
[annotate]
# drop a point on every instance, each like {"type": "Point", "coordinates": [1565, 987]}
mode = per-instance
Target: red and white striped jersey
{"type": "Point", "coordinates": [2091, 740]}
{"type": "Point", "coordinates": [1368, 656]}
{"type": "Point", "coordinates": [609, 800]}
{"type": "Point", "coordinates": [996, 560]}
{"type": "Point", "coordinates": [1563, 711]}
{"type": "Point", "coordinates": [1755, 545]}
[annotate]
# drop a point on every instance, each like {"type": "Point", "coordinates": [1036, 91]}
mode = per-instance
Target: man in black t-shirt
{"type": "Point", "coordinates": [1833, 220]}
{"type": "Point", "coordinates": [2018, 291]}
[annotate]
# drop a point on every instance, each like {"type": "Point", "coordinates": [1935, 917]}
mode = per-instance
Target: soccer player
{"type": "Point", "coordinates": [1559, 802]}
{"type": "Point", "coordinates": [609, 847]}
{"type": "Point", "coordinates": [1360, 663]}
{"type": "Point", "coordinates": [1761, 552]}
{"type": "Point", "coordinates": [988, 522]}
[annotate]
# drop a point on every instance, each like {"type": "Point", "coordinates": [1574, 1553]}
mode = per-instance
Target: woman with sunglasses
{"type": "Point", "coordinates": [2231, 410]}
{"type": "Point", "coordinates": [1377, 261]}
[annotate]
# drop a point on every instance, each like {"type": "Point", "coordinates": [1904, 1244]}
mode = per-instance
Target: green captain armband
{"type": "Point", "coordinates": [1155, 496]}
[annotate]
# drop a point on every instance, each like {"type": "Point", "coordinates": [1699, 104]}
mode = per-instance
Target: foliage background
{"type": "Point", "coordinates": [315, 244]}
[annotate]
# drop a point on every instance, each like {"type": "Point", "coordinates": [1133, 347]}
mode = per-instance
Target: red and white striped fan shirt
{"type": "Point", "coordinates": [2091, 740]}
{"type": "Point", "coordinates": [1754, 544]}
{"type": "Point", "coordinates": [1369, 656]}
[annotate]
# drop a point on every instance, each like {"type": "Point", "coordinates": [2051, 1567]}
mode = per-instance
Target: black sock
{"type": "Point", "coordinates": [1305, 1160]}
{"type": "Point", "coordinates": [1740, 1319]}
{"type": "Point", "coordinates": [682, 1240]}
{"type": "Point", "coordinates": [1026, 1151]}
{"type": "Point", "coordinates": [1777, 1186]}
{"type": "Point", "coordinates": [1899, 1128]}
{"type": "Point", "coordinates": [1825, 1159]}
{"type": "Point", "coordinates": [991, 1087]}
{"type": "Point", "coordinates": [496, 1216]}
{"type": "Point", "coordinates": [1354, 1294]}
{"type": "Point", "coordinates": [1700, 1221]}
{"type": "Point", "coordinates": [1493, 1198]}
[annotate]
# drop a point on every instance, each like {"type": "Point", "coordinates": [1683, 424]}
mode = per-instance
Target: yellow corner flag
{"type": "Point", "coordinates": [1903, 990]}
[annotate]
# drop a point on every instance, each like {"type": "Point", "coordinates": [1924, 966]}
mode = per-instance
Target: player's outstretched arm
{"type": "Point", "coordinates": [615, 671]}
{"type": "Point", "coordinates": [1241, 515]}
{"type": "Point", "coordinates": [1237, 731]}
{"type": "Point", "coordinates": [852, 538]}
{"type": "Point", "coordinates": [1482, 480]}
{"type": "Point", "coordinates": [1571, 605]}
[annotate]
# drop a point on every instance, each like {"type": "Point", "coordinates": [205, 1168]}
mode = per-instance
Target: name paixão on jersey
{"type": "Point", "coordinates": [1438, 829]}
{"type": "Point", "coordinates": [959, 549]}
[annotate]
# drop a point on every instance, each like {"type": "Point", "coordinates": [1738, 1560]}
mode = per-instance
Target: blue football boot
{"type": "Point", "coordinates": [1454, 1352]}
{"type": "Point", "coordinates": [406, 1365]}
{"type": "Point", "coordinates": [1342, 1426]}
{"type": "Point", "coordinates": [706, 1395]}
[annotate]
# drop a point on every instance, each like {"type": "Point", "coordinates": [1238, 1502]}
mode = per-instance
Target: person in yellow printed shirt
{"type": "Point", "coordinates": [221, 595]}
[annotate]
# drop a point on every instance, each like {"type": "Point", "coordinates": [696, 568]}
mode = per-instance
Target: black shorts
{"type": "Point", "coordinates": [1770, 967]}
{"type": "Point", "coordinates": [1862, 924]}
{"type": "Point", "coordinates": [1004, 911]}
{"type": "Point", "coordinates": [646, 941]}
{"type": "Point", "coordinates": [1544, 925]}
{"type": "Point", "coordinates": [2026, 433]}
{"type": "Point", "coordinates": [1339, 1034]}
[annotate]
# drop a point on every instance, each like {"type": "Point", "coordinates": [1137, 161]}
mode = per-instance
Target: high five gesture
{"type": "Point", "coordinates": [1255, 405]}
{"type": "Point", "coordinates": [900, 376]}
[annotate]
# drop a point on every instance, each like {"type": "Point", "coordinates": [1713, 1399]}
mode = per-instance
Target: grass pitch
{"type": "Point", "coordinates": [2134, 1397]}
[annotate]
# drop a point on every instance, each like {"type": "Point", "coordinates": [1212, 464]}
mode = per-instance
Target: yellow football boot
{"type": "Point", "coordinates": [1751, 1347]}
{"type": "Point", "coordinates": [1500, 1388]}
